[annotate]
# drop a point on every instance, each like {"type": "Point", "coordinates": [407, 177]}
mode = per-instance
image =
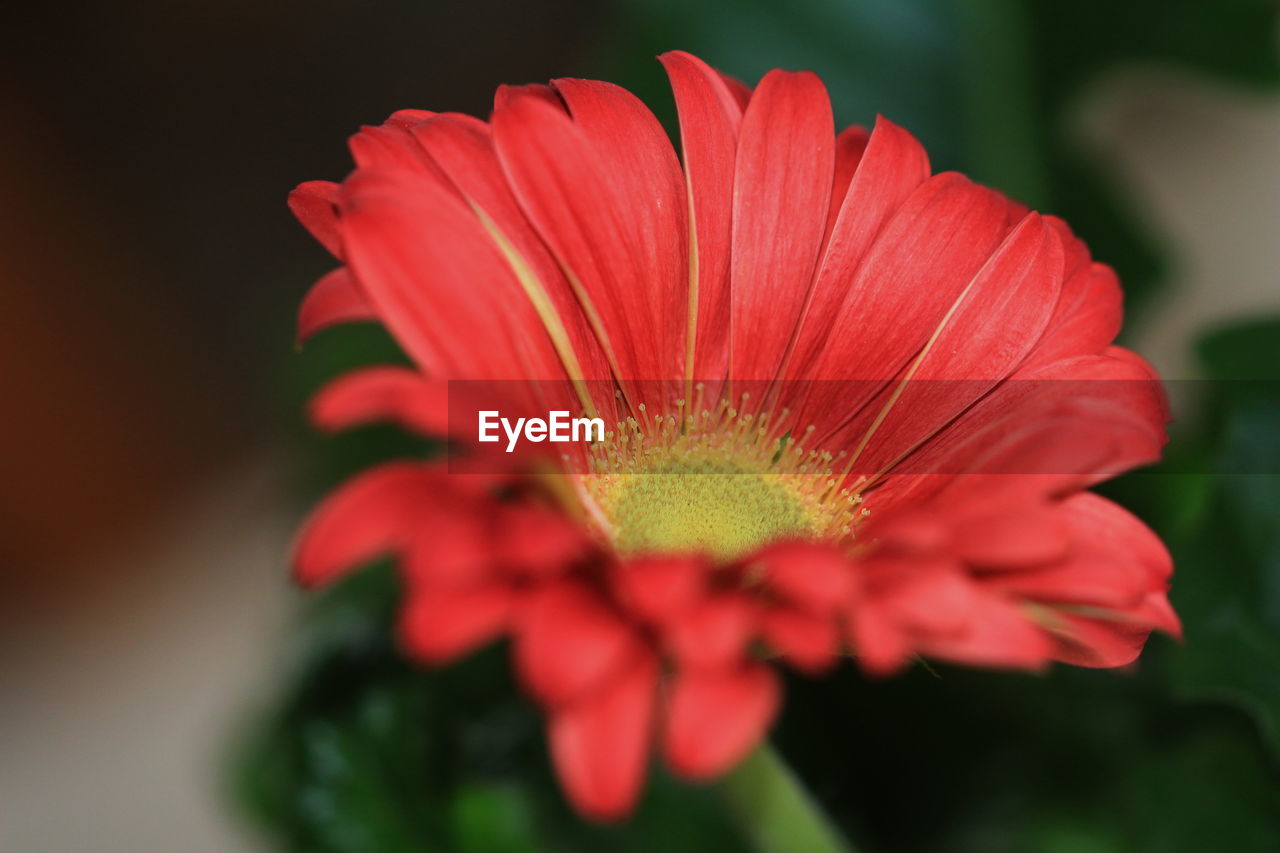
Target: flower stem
{"type": "Point", "coordinates": [774, 809]}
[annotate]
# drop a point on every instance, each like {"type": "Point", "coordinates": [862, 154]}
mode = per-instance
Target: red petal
{"type": "Point", "coordinates": [1157, 611]}
{"type": "Point", "coordinates": [878, 642]}
{"type": "Point", "coordinates": [935, 596]}
{"type": "Point", "coordinates": [335, 298]}
{"type": "Point", "coordinates": [375, 394]}
{"type": "Point", "coordinates": [600, 745]}
{"type": "Point", "coordinates": [715, 717]}
{"type": "Point", "coordinates": [893, 166]}
{"type": "Point", "coordinates": [422, 255]}
{"type": "Point", "coordinates": [999, 634]}
{"type": "Point", "coordinates": [659, 589]}
{"type": "Point", "coordinates": [714, 633]}
{"type": "Point", "coordinates": [1089, 324]}
{"type": "Point", "coordinates": [1106, 527]}
{"type": "Point", "coordinates": [782, 187]}
{"type": "Point", "coordinates": [368, 516]}
{"type": "Point", "coordinates": [811, 575]}
{"type": "Point", "coordinates": [710, 117]}
{"type": "Point", "coordinates": [1098, 643]}
{"type": "Point", "coordinates": [809, 643]}
{"type": "Point", "coordinates": [463, 148]}
{"type": "Point", "coordinates": [408, 118]}
{"type": "Point", "coordinates": [451, 547]}
{"type": "Point", "coordinates": [1103, 583]}
{"type": "Point", "coordinates": [507, 95]}
{"type": "Point", "coordinates": [440, 624]}
{"type": "Point", "coordinates": [1116, 562]}
{"type": "Point", "coordinates": [1014, 538]}
{"type": "Point", "coordinates": [534, 541]}
{"type": "Point", "coordinates": [314, 203]}
{"type": "Point", "coordinates": [391, 148]}
{"type": "Point", "coordinates": [943, 233]}
{"type": "Point", "coordinates": [570, 643]}
{"type": "Point", "coordinates": [604, 190]}
{"type": "Point", "coordinates": [914, 532]}
{"type": "Point", "coordinates": [987, 330]}
{"type": "Point", "coordinates": [1065, 424]}
{"type": "Point", "coordinates": [851, 144]}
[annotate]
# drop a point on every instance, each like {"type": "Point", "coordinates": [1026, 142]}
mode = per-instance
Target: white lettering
{"type": "Point", "coordinates": [559, 423]}
{"type": "Point", "coordinates": [558, 428]}
{"type": "Point", "coordinates": [487, 423]}
{"type": "Point", "coordinates": [589, 425]}
{"type": "Point", "coordinates": [512, 434]}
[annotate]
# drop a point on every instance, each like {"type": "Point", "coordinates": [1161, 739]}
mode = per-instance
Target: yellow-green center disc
{"type": "Point", "coordinates": [708, 507]}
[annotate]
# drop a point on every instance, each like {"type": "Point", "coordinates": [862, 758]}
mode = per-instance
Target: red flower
{"type": "Point", "coordinates": [910, 377]}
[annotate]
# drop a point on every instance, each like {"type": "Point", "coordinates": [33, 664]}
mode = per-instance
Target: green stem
{"type": "Point", "coordinates": [774, 809]}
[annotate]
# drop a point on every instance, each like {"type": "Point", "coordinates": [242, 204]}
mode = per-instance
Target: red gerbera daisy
{"type": "Point", "coordinates": [855, 407]}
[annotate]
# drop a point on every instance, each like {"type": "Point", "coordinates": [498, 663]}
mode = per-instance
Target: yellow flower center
{"type": "Point", "coordinates": [688, 505]}
{"type": "Point", "coordinates": [718, 480]}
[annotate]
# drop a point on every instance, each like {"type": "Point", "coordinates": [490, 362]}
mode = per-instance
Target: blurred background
{"type": "Point", "coordinates": [162, 686]}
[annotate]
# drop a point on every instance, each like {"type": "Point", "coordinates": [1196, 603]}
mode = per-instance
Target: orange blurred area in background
{"type": "Point", "coordinates": [113, 408]}
{"type": "Point", "coordinates": [149, 272]}
{"type": "Point", "coordinates": [149, 264]}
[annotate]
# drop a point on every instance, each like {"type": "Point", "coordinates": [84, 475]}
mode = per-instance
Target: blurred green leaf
{"type": "Point", "coordinates": [1227, 585]}
{"type": "Point", "coordinates": [1211, 791]}
{"type": "Point", "coordinates": [367, 751]}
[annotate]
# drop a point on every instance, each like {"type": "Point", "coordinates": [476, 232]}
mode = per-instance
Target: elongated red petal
{"type": "Point", "coordinates": [851, 144]}
{"type": "Point", "coordinates": [408, 118]}
{"type": "Point", "coordinates": [1066, 424]}
{"type": "Point", "coordinates": [314, 203]}
{"type": "Point", "coordinates": [781, 189]}
{"type": "Point", "coordinates": [368, 516]}
{"type": "Point", "coordinates": [336, 298]}
{"type": "Point", "coordinates": [715, 717]}
{"type": "Point", "coordinates": [1115, 564]}
{"type": "Point", "coordinates": [986, 332]}
{"type": "Point", "coordinates": [809, 643]}
{"type": "Point", "coordinates": [439, 625]}
{"type": "Point", "coordinates": [815, 576]}
{"type": "Point", "coordinates": [713, 633]}
{"type": "Point", "coordinates": [1106, 527]}
{"type": "Point", "coordinates": [933, 596]}
{"type": "Point", "coordinates": [604, 190]}
{"type": "Point", "coordinates": [422, 254]}
{"type": "Point", "coordinates": [463, 148]}
{"type": "Point", "coordinates": [999, 633]}
{"type": "Point", "coordinates": [659, 589]}
{"type": "Point", "coordinates": [374, 394]}
{"type": "Point", "coordinates": [1016, 538]}
{"type": "Point", "coordinates": [451, 548]}
{"type": "Point", "coordinates": [1088, 325]}
{"type": "Point", "coordinates": [710, 118]}
{"type": "Point", "coordinates": [890, 168]}
{"type": "Point", "coordinates": [879, 645]}
{"type": "Point", "coordinates": [569, 643]}
{"type": "Point", "coordinates": [1112, 640]}
{"type": "Point", "coordinates": [600, 744]}
{"type": "Point", "coordinates": [533, 541]}
{"type": "Point", "coordinates": [391, 148]}
{"type": "Point", "coordinates": [942, 234]}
